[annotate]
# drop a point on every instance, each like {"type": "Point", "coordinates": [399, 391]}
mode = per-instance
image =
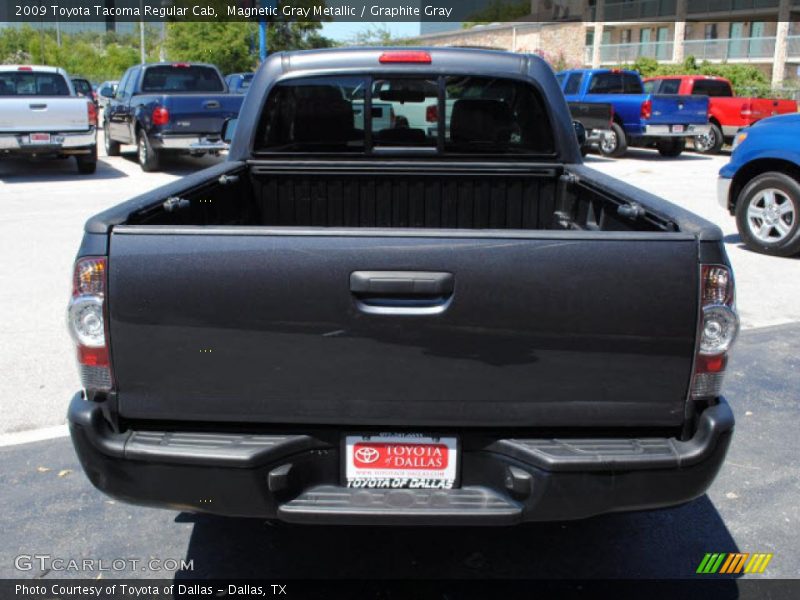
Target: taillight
{"type": "Point", "coordinates": [747, 109]}
{"type": "Point", "coordinates": [91, 110]}
{"type": "Point", "coordinates": [719, 325]}
{"type": "Point", "coordinates": [647, 109]}
{"type": "Point", "coordinates": [405, 56]}
{"type": "Point", "coordinates": [87, 323]}
{"type": "Point", "coordinates": [160, 116]}
{"type": "Point", "coordinates": [432, 113]}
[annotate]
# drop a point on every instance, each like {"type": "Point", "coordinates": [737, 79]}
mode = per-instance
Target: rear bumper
{"type": "Point", "coordinates": [20, 142]}
{"type": "Point", "coordinates": [295, 477]}
{"type": "Point", "coordinates": [190, 143]}
{"type": "Point", "coordinates": [662, 131]}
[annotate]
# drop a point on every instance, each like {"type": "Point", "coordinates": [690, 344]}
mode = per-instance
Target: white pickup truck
{"type": "Point", "coordinates": [42, 116]}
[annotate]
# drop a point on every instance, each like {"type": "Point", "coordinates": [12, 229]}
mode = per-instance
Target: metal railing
{"type": "Point", "coordinates": [726, 49]}
{"type": "Point", "coordinates": [588, 54]}
{"type": "Point", "coordinates": [793, 46]}
{"type": "Point", "coordinates": [639, 9]}
{"type": "Point", "coordinates": [725, 6]}
{"type": "Point", "coordinates": [622, 53]}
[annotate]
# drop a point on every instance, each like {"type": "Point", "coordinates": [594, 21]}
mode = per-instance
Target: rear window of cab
{"type": "Point", "coordinates": [450, 114]}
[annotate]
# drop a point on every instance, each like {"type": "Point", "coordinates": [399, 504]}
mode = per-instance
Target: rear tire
{"type": "Point", "coordinates": [148, 158]}
{"type": "Point", "coordinates": [671, 147]}
{"type": "Point", "coordinates": [768, 215]}
{"type": "Point", "coordinates": [112, 147]}
{"type": "Point", "coordinates": [87, 163]}
{"type": "Point", "coordinates": [710, 143]}
{"type": "Point", "coordinates": [615, 144]}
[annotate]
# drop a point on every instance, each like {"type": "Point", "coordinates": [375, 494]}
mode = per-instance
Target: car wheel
{"type": "Point", "coordinates": [112, 147]}
{"type": "Point", "coordinates": [148, 157]}
{"type": "Point", "coordinates": [87, 163]}
{"type": "Point", "coordinates": [614, 143]}
{"type": "Point", "coordinates": [710, 143]}
{"type": "Point", "coordinates": [768, 215]}
{"type": "Point", "coordinates": [671, 147]}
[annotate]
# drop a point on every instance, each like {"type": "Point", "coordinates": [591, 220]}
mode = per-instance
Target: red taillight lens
{"type": "Point", "coordinates": [432, 113]}
{"type": "Point", "coordinates": [405, 56]}
{"type": "Point", "coordinates": [747, 109]}
{"type": "Point", "coordinates": [24, 69]}
{"type": "Point", "coordinates": [181, 65]}
{"type": "Point", "coordinates": [647, 109]}
{"type": "Point", "coordinates": [92, 112]}
{"type": "Point", "coordinates": [719, 325]}
{"type": "Point", "coordinates": [87, 323]}
{"type": "Point", "coordinates": [160, 116]}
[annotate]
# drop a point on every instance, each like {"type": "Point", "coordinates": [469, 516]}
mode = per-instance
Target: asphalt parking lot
{"type": "Point", "coordinates": [49, 507]}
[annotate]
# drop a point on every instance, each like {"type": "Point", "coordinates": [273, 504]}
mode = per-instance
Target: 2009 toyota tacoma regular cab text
{"type": "Point", "coordinates": [385, 321]}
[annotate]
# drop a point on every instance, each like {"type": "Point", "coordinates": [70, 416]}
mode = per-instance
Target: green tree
{"type": "Point", "coordinates": [227, 45]}
{"type": "Point", "coordinates": [499, 11]}
{"type": "Point", "coordinates": [234, 46]}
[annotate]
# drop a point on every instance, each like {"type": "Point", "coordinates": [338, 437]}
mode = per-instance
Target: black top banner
{"type": "Point", "coordinates": [65, 11]}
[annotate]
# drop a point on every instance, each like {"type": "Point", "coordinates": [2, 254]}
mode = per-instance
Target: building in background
{"type": "Point", "coordinates": [762, 33]}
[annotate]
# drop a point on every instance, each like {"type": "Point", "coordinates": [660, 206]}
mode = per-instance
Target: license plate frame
{"type": "Point", "coordinates": [39, 138]}
{"type": "Point", "coordinates": [414, 472]}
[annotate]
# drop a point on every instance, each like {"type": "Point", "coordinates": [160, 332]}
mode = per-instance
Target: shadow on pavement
{"type": "Point", "coordinates": [655, 544]}
{"type": "Point", "coordinates": [653, 155]}
{"type": "Point", "coordinates": [178, 164]}
{"type": "Point", "coordinates": [18, 170]}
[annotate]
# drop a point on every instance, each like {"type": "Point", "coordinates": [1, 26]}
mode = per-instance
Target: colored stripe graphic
{"type": "Point", "coordinates": [729, 563]}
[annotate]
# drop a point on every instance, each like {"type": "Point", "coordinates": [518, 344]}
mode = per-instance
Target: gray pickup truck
{"type": "Point", "coordinates": [398, 323]}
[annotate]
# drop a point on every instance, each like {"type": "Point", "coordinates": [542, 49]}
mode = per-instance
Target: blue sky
{"type": "Point", "coordinates": [345, 30]}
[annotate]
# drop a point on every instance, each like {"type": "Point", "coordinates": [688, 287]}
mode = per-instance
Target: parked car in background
{"type": "Point", "coordinates": [760, 185]}
{"type": "Point", "coordinates": [169, 108]}
{"type": "Point", "coordinates": [105, 92]}
{"type": "Point", "coordinates": [238, 83]}
{"type": "Point", "coordinates": [41, 116]}
{"type": "Point", "coordinates": [640, 119]}
{"type": "Point", "coordinates": [458, 324]}
{"type": "Point", "coordinates": [596, 118]}
{"type": "Point", "coordinates": [728, 113]}
{"type": "Point", "coordinates": [83, 87]}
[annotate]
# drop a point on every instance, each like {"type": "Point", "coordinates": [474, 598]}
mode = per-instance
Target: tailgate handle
{"type": "Point", "coordinates": [211, 104]}
{"type": "Point", "coordinates": [402, 292]}
{"type": "Point", "coordinates": [37, 106]}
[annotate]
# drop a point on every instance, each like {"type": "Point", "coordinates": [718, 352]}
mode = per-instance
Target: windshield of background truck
{"type": "Point", "coordinates": [170, 79]}
{"type": "Point", "coordinates": [29, 83]}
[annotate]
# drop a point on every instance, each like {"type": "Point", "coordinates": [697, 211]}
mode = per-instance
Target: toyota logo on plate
{"type": "Point", "coordinates": [367, 455]}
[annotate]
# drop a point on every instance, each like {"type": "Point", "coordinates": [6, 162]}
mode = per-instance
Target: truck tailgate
{"type": "Point", "coordinates": [45, 114]}
{"type": "Point", "coordinates": [272, 326]}
{"type": "Point", "coordinates": [669, 109]}
{"type": "Point", "coordinates": [200, 113]}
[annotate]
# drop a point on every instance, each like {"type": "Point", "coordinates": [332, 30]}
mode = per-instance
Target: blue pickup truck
{"type": "Point", "coordinates": [760, 185]}
{"type": "Point", "coordinates": [645, 120]}
{"type": "Point", "coordinates": [169, 108]}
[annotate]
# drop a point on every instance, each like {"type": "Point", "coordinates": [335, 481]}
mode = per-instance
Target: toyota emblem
{"type": "Point", "coordinates": [367, 455]}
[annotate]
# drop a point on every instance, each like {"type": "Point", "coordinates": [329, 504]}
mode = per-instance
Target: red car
{"type": "Point", "coordinates": [727, 112]}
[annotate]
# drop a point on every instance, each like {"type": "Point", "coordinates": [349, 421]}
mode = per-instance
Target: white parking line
{"type": "Point", "coordinates": [34, 435]}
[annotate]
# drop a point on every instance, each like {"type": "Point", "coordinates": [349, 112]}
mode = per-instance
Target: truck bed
{"type": "Point", "coordinates": [241, 288]}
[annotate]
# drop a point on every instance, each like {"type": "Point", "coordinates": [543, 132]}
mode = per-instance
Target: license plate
{"type": "Point", "coordinates": [678, 128]}
{"type": "Point", "coordinates": [400, 461]}
{"type": "Point", "coordinates": [40, 138]}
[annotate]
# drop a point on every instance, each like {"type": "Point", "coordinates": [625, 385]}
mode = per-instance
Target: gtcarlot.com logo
{"type": "Point", "coordinates": [731, 563]}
